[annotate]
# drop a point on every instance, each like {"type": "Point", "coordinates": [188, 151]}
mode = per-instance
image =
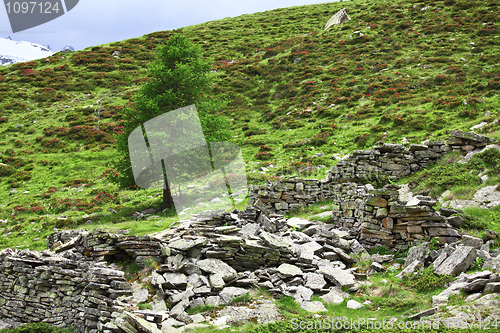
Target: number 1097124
{"type": "Point", "coordinates": [32, 7]}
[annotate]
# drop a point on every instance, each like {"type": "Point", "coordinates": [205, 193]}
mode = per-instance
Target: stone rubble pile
{"type": "Point", "coordinates": [388, 161]}
{"type": "Point", "coordinates": [212, 260]}
{"type": "Point", "coordinates": [45, 287]}
{"type": "Point", "coordinates": [455, 259]}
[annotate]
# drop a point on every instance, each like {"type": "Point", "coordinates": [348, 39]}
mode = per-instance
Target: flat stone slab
{"type": "Point", "coordinates": [275, 242]}
{"type": "Point", "coordinates": [314, 306]}
{"type": "Point", "coordinates": [288, 270]}
{"type": "Point", "coordinates": [469, 136]}
{"type": "Point", "coordinates": [323, 215]}
{"type": "Point", "coordinates": [338, 276]}
{"type": "Point", "coordinates": [459, 261]}
{"type": "Point", "coordinates": [422, 314]}
{"type": "Point", "coordinates": [460, 204]}
{"type": "Point", "coordinates": [217, 266]}
{"type": "Point", "coordinates": [186, 244]}
{"type": "Point", "coordinates": [299, 223]}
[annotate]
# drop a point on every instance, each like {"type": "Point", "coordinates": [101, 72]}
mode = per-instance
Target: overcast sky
{"type": "Point", "coordinates": [94, 22]}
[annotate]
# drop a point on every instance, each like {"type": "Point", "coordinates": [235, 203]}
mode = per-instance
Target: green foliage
{"type": "Point", "coordinates": [177, 78]}
{"type": "Point", "coordinates": [38, 328]}
{"type": "Point", "coordinates": [477, 265]}
{"type": "Point", "coordinates": [245, 298]}
{"type": "Point", "coordinates": [399, 303]}
{"type": "Point", "coordinates": [426, 280]}
{"type": "Point", "coordinates": [145, 306]}
{"type": "Point", "coordinates": [477, 218]}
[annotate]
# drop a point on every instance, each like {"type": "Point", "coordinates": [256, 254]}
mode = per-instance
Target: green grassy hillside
{"type": "Point", "coordinates": [398, 71]}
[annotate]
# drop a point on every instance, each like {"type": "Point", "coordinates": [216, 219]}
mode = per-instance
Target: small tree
{"type": "Point", "coordinates": [177, 78]}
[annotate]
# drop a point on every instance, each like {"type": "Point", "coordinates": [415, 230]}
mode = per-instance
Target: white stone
{"type": "Point", "coordinates": [354, 305]}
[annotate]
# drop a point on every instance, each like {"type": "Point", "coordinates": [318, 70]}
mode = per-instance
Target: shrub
{"type": "Point", "coordinates": [6, 170]}
{"type": "Point", "coordinates": [426, 280]}
{"type": "Point", "coordinates": [263, 155]}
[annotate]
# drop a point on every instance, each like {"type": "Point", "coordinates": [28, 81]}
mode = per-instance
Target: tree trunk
{"type": "Point", "coordinates": [168, 201]}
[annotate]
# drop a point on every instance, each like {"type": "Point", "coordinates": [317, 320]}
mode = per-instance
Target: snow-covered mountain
{"type": "Point", "coordinates": [13, 51]}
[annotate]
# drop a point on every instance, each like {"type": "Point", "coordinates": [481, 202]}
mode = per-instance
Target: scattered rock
{"type": "Point", "coordinates": [354, 305]}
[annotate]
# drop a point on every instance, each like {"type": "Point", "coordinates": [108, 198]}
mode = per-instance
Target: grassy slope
{"type": "Point", "coordinates": [395, 70]}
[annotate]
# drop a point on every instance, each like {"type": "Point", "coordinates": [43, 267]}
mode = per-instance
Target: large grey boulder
{"type": "Point", "coordinates": [333, 297]}
{"type": "Point", "coordinates": [217, 266]}
{"type": "Point", "coordinates": [314, 281]}
{"type": "Point", "coordinates": [338, 276]}
{"type": "Point", "coordinates": [488, 196]}
{"type": "Point", "coordinates": [472, 241]}
{"type": "Point", "coordinates": [339, 18]}
{"type": "Point", "coordinates": [419, 253]}
{"type": "Point", "coordinates": [459, 261]}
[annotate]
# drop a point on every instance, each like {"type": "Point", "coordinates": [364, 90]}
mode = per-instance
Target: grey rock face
{"type": "Point", "coordinates": [459, 261]}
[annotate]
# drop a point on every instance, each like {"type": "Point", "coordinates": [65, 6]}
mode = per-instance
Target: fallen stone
{"type": "Point", "coordinates": [410, 269]}
{"type": "Point", "coordinates": [423, 314]}
{"type": "Point", "coordinates": [456, 221]}
{"type": "Point", "coordinates": [314, 281]}
{"type": "Point", "coordinates": [313, 307]}
{"type": "Point", "coordinates": [217, 266]}
{"type": "Point", "coordinates": [339, 18]}
{"type": "Point", "coordinates": [288, 270]}
{"type": "Point", "coordinates": [417, 253]}
{"type": "Point", "coordinates": [472, 241]}
{"type": "Point", "coordinates": [337, 276]}
{"type": "Point", "coordinates": [175, 280]}
{"type": "Point", "coordinates": [141, 324]}
{"type": "Point", "coordinates": [213, 301]}
{"type": "Point", "coordinates": [229, 293]}
{"type": "Point", "coordinates": [489, 196]}
{"type": "Point", "coordinates": [492, 287]}
{"type": "Point", "coordinates": [354, 305]}
{"type": "Point", "coordinates": [275, 242]}
{"type": "Point", "coordinates": [333, 297]}
{"type": "Point", "coordinates": [377, 267]}
{"type": "Point", "coordinates": [298, 223]}
{"type": "Point", "coordinates": [459, 261]}
{"type": "Point", "coordinates": [476, 285]}
{"type": "Point", "coordinates": [217, 281]}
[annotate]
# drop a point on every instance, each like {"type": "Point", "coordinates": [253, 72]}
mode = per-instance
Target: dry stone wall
{"type": "Point", "coordinates": [378, 218]}
{"type": "Point", "coordinates": [390, 161]}
{"type": "Point", "coordinates": [43, 287]}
